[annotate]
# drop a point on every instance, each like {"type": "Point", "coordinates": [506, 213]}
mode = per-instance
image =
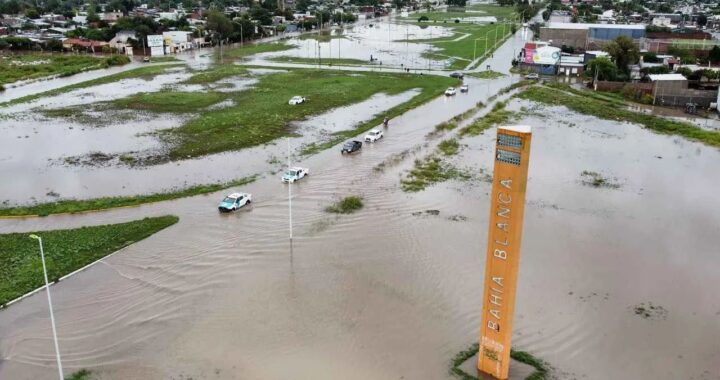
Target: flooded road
{"type": "Point", "coordinates": [394, 291]}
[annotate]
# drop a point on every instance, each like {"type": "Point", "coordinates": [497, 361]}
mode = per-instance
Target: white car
{"type": "Point", "coordinates": [234, 201]}
{"type": "Point", "coordinates": [296, 100]}
{"type": "Point", "coordinates": [464, 88]}
{"type": "Point", "coordinates": [294, 174]}
{"type": "Point", "coordinates": [450, 91]}
{"type": "Point", "coordinates": [374, 135]}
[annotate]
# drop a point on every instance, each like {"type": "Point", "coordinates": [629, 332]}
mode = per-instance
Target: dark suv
{"type": "Point", "coordinates": [457, 75]}
{"type": "Point", "coordinates": [351, 146]}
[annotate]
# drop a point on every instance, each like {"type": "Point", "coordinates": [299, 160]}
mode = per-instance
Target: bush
{"type": "Point", "coordinates": [118, 60]}
{"type": "Point", "coordinates": [423, 18]}
{"type": "Point", "coordinates": [347, 205]}
{"type": "Point", "coordinates": [457, 21]}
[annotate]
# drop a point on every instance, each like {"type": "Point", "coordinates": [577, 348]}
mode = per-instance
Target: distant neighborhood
{"type": "Point", "coordinates": [159, 28]}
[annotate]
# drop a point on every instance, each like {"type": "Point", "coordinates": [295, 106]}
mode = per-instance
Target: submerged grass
{"type": "Point", "coordinates": [15, 68]}
{"type": "Point", "coordinates": [582, 102]}
{"type": "Point", "coordinates": [498, 115]}
{"type": "Point", "coordinates": [449, 147]}
{"type": "Point", "coordinates": [486, 74]}
{"type": "Point", "coordinates": [542, 371]}
{"type": "Point", "coordinates": [430, 171]}
{"type": "Point", "coordinates": [65, 251]}
{"type": "Point", "coordinates": [147, 73]}
{"type": "Point", "coordinates": [347, 205]}
{"type": "Point", "coordinates": [168, 101]}
{"type": "Point", "coordinates": [324, 61]}
{"type": "Point", "coordinates": [83, 205]}
{"type": "Point", "coordinates": [215, 74]}
{"type": "Point", "coordinates": [252, 49]}
{"type": "Point", "coordinates": [82, 374]}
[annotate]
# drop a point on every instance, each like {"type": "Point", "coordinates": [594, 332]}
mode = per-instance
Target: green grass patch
{"type": "Point", "coordinates": [82, 374]}
{"type": "Point", "coordinates": [324, 61]}
{"type": "Point", "coordinates": [215, 74]}
{"type": "Point", "coordinates": [446, 126]}
{"type": "Point", "coordinates": [167, 58]}
{"type": "Point", "coordinates": [65, 251]}
{"type": "Point", "coordinates": [147, 73]}
{"type": "Point", "coordinates": [586, 103]}
{"type": "Point", "coordinates": [498, 115]}
{"type": "Point", "coordinates": [15, 68]}
{"type": "Point", "coordinates": [486, 74]}
{"type": "Point", "coordinates": [347, 205]}
{"type": "Point", "coordinates": [323, 36]}
{"type": "Point", "coordinates": [74, 206]}
{"type": "Point", "coordinates": [252, 49]}
{"type": "Point", "coordinates": [428, 172]}
{"type": "Point", "coordinates": [449, 147]}
{"type": "Point", "coordinates": [168, 101]}
{"type": "Point", "coordinates": [542, 371]}
{"type": "Point", "coordinates": [262, 114]}
{"type": "Point", "coordinates": [467, 48]}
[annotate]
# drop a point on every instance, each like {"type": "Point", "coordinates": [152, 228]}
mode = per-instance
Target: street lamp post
{"type": "Point", "coordinates": [52, 316]}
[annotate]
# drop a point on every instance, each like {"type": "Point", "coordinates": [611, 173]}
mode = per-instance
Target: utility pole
{"type": "Point", "coordinates": [289, 195]}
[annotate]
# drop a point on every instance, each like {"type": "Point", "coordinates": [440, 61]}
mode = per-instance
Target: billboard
{"type": "Point", "coordinates": [156, 51]}
{"type": "Point", "coordinates": [507, 206]}
{"type": "Point", "coordinates": [543, 55]}
{"type": "Point", "coordinates": [155, 40]}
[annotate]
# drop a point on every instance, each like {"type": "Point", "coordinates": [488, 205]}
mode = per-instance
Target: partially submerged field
{"type": "Point", "coordinates": [65, 252]}
{"type": "Point", "coordinates": [15, 68]}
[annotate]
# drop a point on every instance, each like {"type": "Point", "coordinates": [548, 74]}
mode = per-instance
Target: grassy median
{"type": "Point", "coordinates": [15, 68]}
{"type": "Point", "coordinates": [590, 104]}
{"type": "Point", "coordinates": [84, 205]}
{"type": "Point", "coordinates": [65, 252]}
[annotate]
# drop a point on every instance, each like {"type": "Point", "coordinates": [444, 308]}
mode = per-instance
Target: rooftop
{"type": "Point", "coordinates": [569, 25]}
{"type": "Point", "coordinates": [661, 77]}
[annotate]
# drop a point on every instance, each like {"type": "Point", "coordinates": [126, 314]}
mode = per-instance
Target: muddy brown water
{"type": "Point", "coordinates": [391, 293]}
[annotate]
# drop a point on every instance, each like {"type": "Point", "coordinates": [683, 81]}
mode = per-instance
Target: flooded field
{"type": "Point", "coordinates": [393, 291]}
{"type": "Point", "coordinates": [390, 44]}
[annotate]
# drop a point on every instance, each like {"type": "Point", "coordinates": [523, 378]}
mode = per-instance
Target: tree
{"type": "Point", "coordinates": [624, 53]}
{"type": "Point", "coordinates": [602, 69]}
{"type": "Point", "coordinates": [546, 15]}
{"type": "Point", "coordinates": [92, 14]}
{"type": "Point", "coordinates": [714, 55]}
{"type": "Point", "coordinates": [10, 7]}
{"type": "Point", "coordinates": [702, 20]}
{"type": "Point", "coordinates": [684, 71]}
{"type": "Point", "coordinates": [219, 24]}
{"type": "Point", "coordinates": [457, 3]}
{"type": "Point", "coordinates": [32, 13]}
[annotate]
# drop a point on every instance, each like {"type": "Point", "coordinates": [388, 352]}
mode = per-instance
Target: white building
{"type": "Point", "coordinates": [177, 41]}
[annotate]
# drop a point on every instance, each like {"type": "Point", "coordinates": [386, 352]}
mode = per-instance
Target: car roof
{"type": "Point", "coordinates": [374, 131]}
{"type": "Point", "coordinates": [236, 195]}
{"type": "Point", "coordinates": [296, 168]}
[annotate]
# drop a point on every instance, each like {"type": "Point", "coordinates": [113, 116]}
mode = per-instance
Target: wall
{"type": "Point", "coordinates": [576, 38]}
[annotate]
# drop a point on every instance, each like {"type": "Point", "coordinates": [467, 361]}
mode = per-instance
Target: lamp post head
{"type": "Point", "coordinates": [33, 236]}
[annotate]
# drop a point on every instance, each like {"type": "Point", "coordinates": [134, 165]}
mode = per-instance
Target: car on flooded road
{"type": "Point", "coordinates": [234, 202]}
{"type": "Point", "coordinates": [464, 88]}
{"type": "Point", "coordinates": [374, 135]}
{"type": "Point", "coordinates": [295, 100]}
{"type": "Point", "coordinates": [450, 91]}
{"type": "Point", "coordinates": [295, 174]}
{"type": "Point", "coordinates": [532, 76]}
{"type": "Point", "coordinates": [457, 75]}
{"type": "Point", "coordinates": [351, 147]}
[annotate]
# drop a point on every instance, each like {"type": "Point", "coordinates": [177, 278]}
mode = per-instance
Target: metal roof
{"type": "Point", "coordinates": [570, 25]}
{"type": "Point", "coordinates": [661, 77]}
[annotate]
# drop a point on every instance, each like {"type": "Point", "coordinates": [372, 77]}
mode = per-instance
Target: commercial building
{"type": "Point", "coordinates": [588, 36]}
{"type": "Point", "coordinates": [672, 90]}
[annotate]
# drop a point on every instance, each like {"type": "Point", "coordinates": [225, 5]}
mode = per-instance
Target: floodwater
{"type": "Point", "coordinates": [394, 291]}
{"type": "Point", "coordinates": [387, 42]}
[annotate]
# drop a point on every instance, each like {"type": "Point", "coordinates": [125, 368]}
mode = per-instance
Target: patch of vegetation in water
{"type": "Point", "coordinates": [65, 251]}
{"type": "Point", "coordinates": [215, 73]}
{"type": "Point", "coordinates": [430, 171]}
{"type": "Point", "coordinates": [607, 108]}
{"type": "Point", "coordinates": [82, 374]}
{"type": "Point", "coordinates": [542, 370]}
{"type": "Point", "coordinates": [347, 205]}
{"type": "Point", "coordinates": [449, 147]}
{"type": "Point", "coordinates": [167, 101]}
{"type": "Point", "coordinates": [252, 49]}
{"type": "Point", "coordinates": [595, 179]}
{"type": "Point", "coordinates": [488, 74]}
{"type": "Point", "coordinates": [498, 115]}
{"type": "Point", "coordinates": [84, 205]}
{"type": "Point", "coordinates": [32, 66]}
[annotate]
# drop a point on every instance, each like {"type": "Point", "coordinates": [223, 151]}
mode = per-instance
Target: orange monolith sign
{"type": "Point", "coordinates": [503, 253]}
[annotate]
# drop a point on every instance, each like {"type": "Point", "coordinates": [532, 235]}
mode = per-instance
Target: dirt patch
{"type": "Point", "coordinates": [650, 311]}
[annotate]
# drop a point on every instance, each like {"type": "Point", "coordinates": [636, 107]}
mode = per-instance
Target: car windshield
{"type": "Point", "coordinates": [228, 200]}
{"type": "Point", "coordinates": [349, 145]}
{"type": "Point", "coordinates": [290, 173]}
{"type": "Point", "coordinates": [372, 133]}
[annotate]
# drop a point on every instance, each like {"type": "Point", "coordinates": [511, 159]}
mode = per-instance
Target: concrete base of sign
{"type": "Point", "coordinates": [518, 370]}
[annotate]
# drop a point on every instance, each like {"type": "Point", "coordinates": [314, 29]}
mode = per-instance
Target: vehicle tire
{"type": "Point", "coordinates": [249, 201]}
